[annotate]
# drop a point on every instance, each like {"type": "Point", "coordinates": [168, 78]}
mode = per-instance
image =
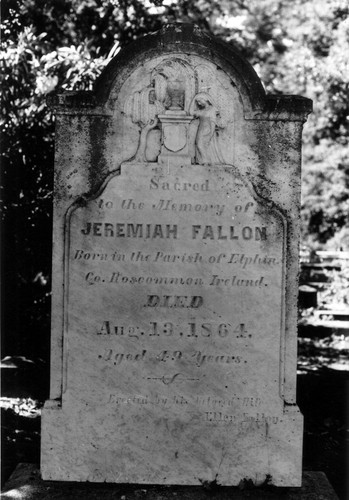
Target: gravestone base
{"type": "Point", "coordinates": [272, 452]}
{"type": "Point", "coordinates": [26, 484]}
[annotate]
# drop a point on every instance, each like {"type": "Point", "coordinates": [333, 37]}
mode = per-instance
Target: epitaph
{"type": "Point", "coordinates": [175, 266]}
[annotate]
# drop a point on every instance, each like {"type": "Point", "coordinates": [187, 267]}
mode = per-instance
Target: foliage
{"type": "Point", "coordinates": [297, 47]}
{"type": "Point", "coordinates": [317, 64]}
{"type": "Point", "coordinates": [325, 199]}
{"type": "Point", "coordinates": [31, 69]}
{"type": "Point", "coordinates": [337, 294]}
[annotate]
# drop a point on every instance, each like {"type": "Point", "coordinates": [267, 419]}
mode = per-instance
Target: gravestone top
{"type": "Point", "coordinates": [188, 39]}
{"type": "Point", "coordinates": [175, 262]}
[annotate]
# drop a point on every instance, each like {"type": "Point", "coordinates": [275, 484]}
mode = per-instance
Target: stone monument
{"type": "Point", "coordinates": [175, 263]}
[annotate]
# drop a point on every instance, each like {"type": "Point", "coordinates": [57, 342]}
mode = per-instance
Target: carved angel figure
{"type": "Point", "coordinates": [206, 144]}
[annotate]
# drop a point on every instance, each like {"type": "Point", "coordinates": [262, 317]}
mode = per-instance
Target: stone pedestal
{"type": "Point", "coordinates": [25, 484]}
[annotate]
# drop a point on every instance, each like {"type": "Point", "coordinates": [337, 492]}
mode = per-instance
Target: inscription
{"type": "Point", "coordinates": [122, 230]}
{"type": "Point", "coordinates": [137, 400]}
{"type": "Point", "coordinates": [116, 277]}
{"type": "Point", "coordinates": [245, 420]}
{"type": "Point", "coordinates": [259, 420]}
{"type": "Point", "coordinates": [118, 357]}
{"type": "Point", "coordinates": [167, 231]}
{"type": "Point", "coordinates": [154, 280]}
{"type": "Point", "coordinates": [131, 205]}
{"type": "Point", "coordinates": [169, 205]}
{"type": "Point", "coordinates": [202, 359]}
{"type": "Point", "coordinates": [178, 399]}
{"type": "Point", "coordinates": [156, 183]}
{"type": "Point", "coordinates": [185, 246]}
{"type": "Point", "coordinates": [235, 259]}
{"type": "Point", "coordinates": [235, 281]}
{"type": "Point", "coordinates": [168, 329]}
{"type": "Point", "coordinates": [174, 301]}
{"type": "Point", "coordinates": [244, 260]}
{"type": "Point", "coordinates": [221, 402]}
{"type": "Point", "coordinates": [184, 258]}
{"type": "Point", "coordinates": [221, 233]}
{"type": "Point", "coordinates": [197, 358]}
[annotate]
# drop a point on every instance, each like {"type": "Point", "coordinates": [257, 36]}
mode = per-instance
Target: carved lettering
{"type": "Point", "coordinates": [158, 183]}
{"type": "Point", "coordinates": [201, 359]}
{"type": "Point", "coordinates": [81, 254]}
{"type": "Point", "coordinates": [166, 257]}
{"type": "Point", "coordinates": [122, 230]}
{"type": "Point", "coordinates": [235, 281]}
{"type": "Point", "coordinates": [117, 277]}
{"type": "Point", "coordinates": [169, 205]}
{"type": "Point", "coordinates": [132, 205]}
{"type": "Point", "coordinates": [231, 233]}
{"type": "Point", "coordinates": [168, 329]}
{"type": "Point", "coordinates": [246, 260]}
{"type": "Point", "coordinates": [193, 302]}
{"type": "Point", "coordinates": [118, 357]}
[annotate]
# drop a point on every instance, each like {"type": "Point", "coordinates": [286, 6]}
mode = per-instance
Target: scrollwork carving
{"type": "Point", "coordinates": [178, 94]}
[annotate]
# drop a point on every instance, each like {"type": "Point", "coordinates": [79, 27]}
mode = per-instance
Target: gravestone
{"type": "Point", "coordinates": [175, 262]}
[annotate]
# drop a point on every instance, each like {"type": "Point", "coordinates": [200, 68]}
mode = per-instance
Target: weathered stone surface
{"type": "Point", "coordinates": [175, 267]}
{"type": "Point", "coordinates": [25, 484]}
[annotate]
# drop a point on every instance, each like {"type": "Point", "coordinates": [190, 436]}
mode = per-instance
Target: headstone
{"type": "Point", "coordinates": [307, 296]}
{"type": "Point", "coordinates": [175, 264]}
